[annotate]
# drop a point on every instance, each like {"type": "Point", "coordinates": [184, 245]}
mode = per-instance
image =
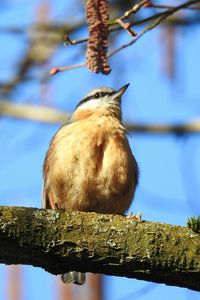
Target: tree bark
{"type": "Point", "coordinates": [108, 244]}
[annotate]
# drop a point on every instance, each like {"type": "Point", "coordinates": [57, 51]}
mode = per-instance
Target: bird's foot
{"type": "Point", "coordinates": [59, 207]}
{"type": "Point", "coordinates": [137, 218]}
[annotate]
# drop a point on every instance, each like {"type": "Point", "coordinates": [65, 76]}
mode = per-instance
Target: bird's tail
{"type": "Point", "coordinates": [73, 276]}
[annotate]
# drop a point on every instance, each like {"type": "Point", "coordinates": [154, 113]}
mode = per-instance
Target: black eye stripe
{"type": "Point", "coordinates": [97, 95]}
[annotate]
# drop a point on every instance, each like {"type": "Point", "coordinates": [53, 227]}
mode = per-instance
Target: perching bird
{"type": "Point", "coordinates": [89, 165]}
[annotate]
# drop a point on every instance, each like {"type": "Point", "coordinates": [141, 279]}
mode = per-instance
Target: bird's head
{"type": "Point", "coordinates": [102, 100]}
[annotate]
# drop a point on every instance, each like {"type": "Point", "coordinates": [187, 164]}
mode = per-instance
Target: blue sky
{"type": "Point", "coordinates": [169, 165]}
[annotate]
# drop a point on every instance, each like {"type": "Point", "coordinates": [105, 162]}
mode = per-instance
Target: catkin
{"type": "Point", "coordinates": [97, 18]}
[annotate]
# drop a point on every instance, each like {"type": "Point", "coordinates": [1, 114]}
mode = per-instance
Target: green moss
{"type": "Point", "coordinates": [109, 244]}
{"type": "Point", "coordinates": [194, 224]}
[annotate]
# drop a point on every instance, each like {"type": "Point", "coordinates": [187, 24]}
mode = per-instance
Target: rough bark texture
{"type": "Point", "coordinates": [108, 244]}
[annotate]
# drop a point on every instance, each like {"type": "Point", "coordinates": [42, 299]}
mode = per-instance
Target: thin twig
{"type": "Point", "coordinates": [129, 12]}
{"type": "Point", "coordinates": [55, 70]}
{"type": "Point", "coordinates": [139, 22]}
{"type": "Point", "coordinates": [162, 17]}
{"type": "Point", "coordinates": [127, 26]}
{"type": "Point", "coordinates": [74, 42]}
{"type": "Point", "coordinates": [169, 7]}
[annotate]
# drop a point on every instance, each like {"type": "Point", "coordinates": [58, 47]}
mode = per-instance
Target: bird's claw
{"type": "Point", "coordinates": [137, 218]}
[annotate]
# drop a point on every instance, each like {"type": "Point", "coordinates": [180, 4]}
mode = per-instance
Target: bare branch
{"type": "Point", "coordinates": [129, 12]}
{"type": "Point", "coordinates": [53, 116]}
{"type": "Point", "coordinates": [32, 112]}
{"type": "Point", "coordinates": [169, 7]}
{"type": "Point", "coordinates": [55, 70]}
{"type": "Point", "coordinates": [159, 18]}
{"type": "Point", "coordinates": [162, 17]}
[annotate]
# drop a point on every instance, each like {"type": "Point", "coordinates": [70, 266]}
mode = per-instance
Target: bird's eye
{"type": "Point", "coordinates": [97, 95]}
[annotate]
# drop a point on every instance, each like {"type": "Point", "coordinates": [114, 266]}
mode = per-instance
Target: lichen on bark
{"type": "Point", "coordinates": [108, 244]}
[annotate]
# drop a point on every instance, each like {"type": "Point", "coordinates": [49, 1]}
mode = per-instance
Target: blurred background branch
{"type": "Point", "coordinates": [39, 113]}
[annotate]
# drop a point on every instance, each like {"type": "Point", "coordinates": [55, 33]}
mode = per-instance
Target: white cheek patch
{"type": "Point", "coordinates": [91, 104]}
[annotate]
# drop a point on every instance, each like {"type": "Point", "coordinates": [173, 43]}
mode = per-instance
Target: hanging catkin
{"type": "Point", "coordinates": [97, 18]}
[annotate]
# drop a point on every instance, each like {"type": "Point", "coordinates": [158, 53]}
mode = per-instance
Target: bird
{"type": "Point", "coordinates": [89, 165]}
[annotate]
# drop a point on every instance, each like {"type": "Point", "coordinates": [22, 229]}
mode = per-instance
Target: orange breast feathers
{"type": "Point", "coordinates": [90, 167]}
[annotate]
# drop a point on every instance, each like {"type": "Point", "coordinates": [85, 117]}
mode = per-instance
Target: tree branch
{"type": "Point", "coordinates": [162, 17]}
{"type": "Point", "coordinates": [32, 112]}
{"type": "Point", "coordinates": [39, 113]}
{"type": "Point", "coordinates": [108, 244]}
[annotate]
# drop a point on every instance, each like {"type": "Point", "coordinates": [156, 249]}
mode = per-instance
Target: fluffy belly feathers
{"type": "Point", "coordinates": [98, 175]}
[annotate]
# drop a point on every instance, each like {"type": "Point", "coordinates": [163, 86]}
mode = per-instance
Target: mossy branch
{"type": "Point", "coordinates": [108, 244]}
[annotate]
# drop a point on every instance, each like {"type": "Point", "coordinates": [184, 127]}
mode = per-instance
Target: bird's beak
{"type": "Point", "coordinates": [121, 91]}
